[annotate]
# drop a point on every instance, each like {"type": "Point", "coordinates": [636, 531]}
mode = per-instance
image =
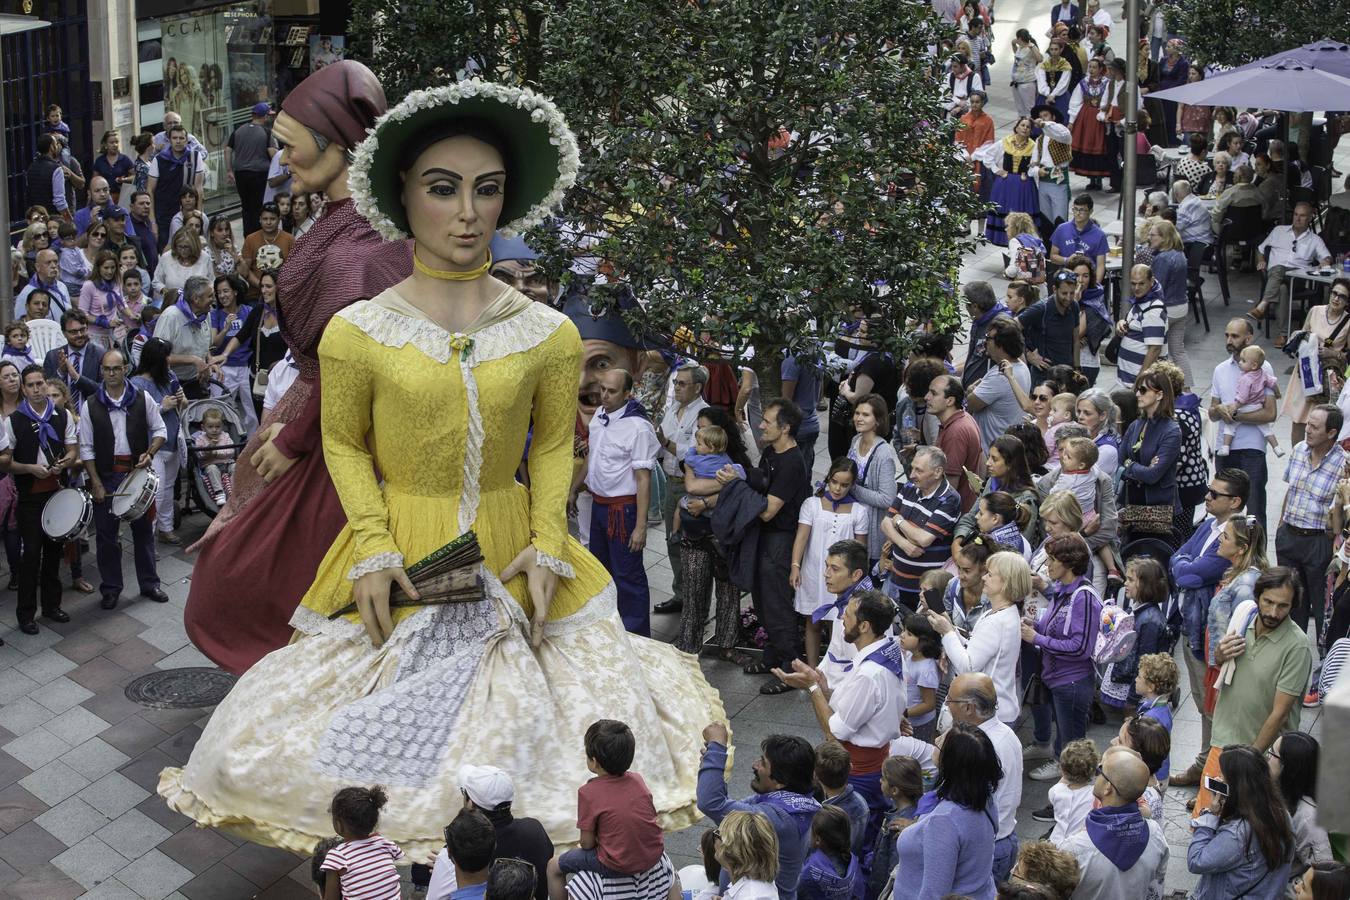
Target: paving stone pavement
{"type": "Point", "coordinates": [79, 762]}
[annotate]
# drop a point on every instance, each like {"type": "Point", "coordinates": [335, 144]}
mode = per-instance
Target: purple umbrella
{"type": "Point", "coordinates": [1328, 56]}
{"type": "Point", "coordinates": [1289, 87]}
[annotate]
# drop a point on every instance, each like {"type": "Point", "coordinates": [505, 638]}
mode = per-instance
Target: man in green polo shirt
{"type": "Point", "coordinates": [1271, 659]}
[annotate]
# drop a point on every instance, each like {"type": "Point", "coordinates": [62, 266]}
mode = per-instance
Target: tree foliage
{"type": "Point", "coordinates": [751, 169]}
{"type": "Point", "coordinates": [1235, 32]}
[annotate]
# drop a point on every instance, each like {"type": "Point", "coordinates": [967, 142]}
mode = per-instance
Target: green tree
{"type": "Point", "coordinates": [752, 170]}
{"type": "Point", "coordinates": [1234, 32]}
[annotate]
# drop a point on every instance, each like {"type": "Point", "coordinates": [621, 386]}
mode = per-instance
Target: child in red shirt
{"type": "Point", "coordinates": [620, 834]}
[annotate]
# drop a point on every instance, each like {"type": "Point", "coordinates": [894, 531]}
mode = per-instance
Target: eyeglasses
{"type": "Point", "coordinates": [1214, 495]}
{"type": "Point", "coordinates": [1342, 294]}
{"type": "Point", "coordinates": [717, 834]}
{"type": "Point", "coordinates": [1143, 389]}
{"type": "Point", "coordinates": [112, 368]}
{"type": "Point", "coordinates": [1271, 754]}
{"type": "Point", "coordinates": [1104, 777]}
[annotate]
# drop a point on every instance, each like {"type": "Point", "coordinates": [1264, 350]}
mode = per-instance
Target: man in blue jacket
{"type": "Point", "coordinates": [1196, 570]}
{"type": "Point", "coordinates": [782, 793]}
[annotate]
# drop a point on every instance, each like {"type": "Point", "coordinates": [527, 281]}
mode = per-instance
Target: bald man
{"type": "Point", "coordinates": [973, 700]}
{"type": "Point", "coordinates": [623, 448]}
{"type": "Point", "coordinates": [1143, 331]}
{"type": "Point", "coordinates": [1121, 854]}
{"type": "Point", "coordinates": [47, 276]}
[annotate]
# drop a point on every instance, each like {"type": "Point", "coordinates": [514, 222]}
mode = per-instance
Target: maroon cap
{"type": "Point", "coordinates": [339, 101]}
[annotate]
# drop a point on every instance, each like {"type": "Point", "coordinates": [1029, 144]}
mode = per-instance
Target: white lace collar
{"type": "Point", "coordinates": [391, 321]}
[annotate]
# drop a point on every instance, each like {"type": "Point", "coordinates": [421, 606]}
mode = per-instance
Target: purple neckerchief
{"type": "Point", "coordinates": [837, 605]}
{"type": "Point", "coordinates": [1120, 833]}
{"type": "Point", "coordinates": [927, 803]}
{"type": "Point", "coordinates": [889, 657]}
{"type": "Point", "coordinates": [1008, 533]}
{"type": "Point", "coordinates": [46, 431]}
{"type": "Point", "coordinates": [15, 351]}
{"type": "Point", "coordinates": [835, 504]}
{"type": "Point", "coordinates": [113, 297]}
{"type": "Point", "coordinates": [1031, 241]}
{"type": "Point", "coordinates": [801, 807]}
{"type": "Point", "coordinates": [630, 409]}
{"type": "Point", "coordinates": [128, 398]}
{"type": "Point", "coordinates": [998, 310]}
{"type": "Point", "coordinates": [1094, 299]}
{"type": "Point", "coordinates": [191, 319]}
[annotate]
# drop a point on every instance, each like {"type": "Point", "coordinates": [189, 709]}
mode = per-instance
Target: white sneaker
{"type": "Point", "coordinates": [1037, 751]}
{"type": "Point", "coordinates": [1046, 772]}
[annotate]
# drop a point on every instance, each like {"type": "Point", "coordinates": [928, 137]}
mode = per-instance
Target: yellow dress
{"type": "Point", "coordinates": [443, 418]}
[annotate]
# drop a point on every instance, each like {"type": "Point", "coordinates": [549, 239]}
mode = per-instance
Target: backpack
{"type": "Point", "coordinates": [951, 82]}
{"type": "Point", "coordinates": [1098, 328]}
{"type": "Point", "coordinates": [1116, 638]}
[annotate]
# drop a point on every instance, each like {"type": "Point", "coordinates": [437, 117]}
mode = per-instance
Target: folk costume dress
{"type": "Point", "coordinates": [1014, 190]}
{"type": "Point", "coordinates": [423, 432]}
{"type": "Point", "coordinates": [1050, 160]}
{"type": "Point", "coordinates": [1054, 78]}
{"type": "Point", "coordinates": [455, 683]}
{"type": "Point", "coordinates": [1090, 100]}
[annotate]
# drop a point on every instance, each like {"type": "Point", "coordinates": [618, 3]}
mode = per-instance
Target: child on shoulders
{"type": "Point", "coordinates": [620, 834]}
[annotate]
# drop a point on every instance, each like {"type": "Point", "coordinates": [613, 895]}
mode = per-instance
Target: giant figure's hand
{"type": "Point", "coordinates": [270, 462]}
{"type": "Point", "coordinates": [371, 593]}
{"type": "Point", "coordinates": [540, 582]}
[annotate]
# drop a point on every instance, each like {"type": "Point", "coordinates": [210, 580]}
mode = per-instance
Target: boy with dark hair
{"type": "Point", "coordinates": [620, 834]}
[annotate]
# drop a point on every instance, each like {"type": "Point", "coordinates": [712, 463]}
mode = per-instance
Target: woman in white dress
{"type": "Point", "coordinates": [833, 514]}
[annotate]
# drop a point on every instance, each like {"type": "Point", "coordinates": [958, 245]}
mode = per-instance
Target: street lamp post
{"type": "Point", "coordinates": [9, 24]}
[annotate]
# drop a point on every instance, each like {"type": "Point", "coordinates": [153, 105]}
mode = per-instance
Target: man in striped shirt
{"type": "Point", "coordinates": [1143, 331]}
{"type": "Point", "coordinates": [921, 524]}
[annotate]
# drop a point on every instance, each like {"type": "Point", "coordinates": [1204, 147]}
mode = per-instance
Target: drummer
{"type": "Point", "coordinates": [120, 433]}
{"type": "Point", "coordinates": [42, 438]}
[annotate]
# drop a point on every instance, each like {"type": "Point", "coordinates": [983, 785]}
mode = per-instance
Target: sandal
{"type": "Point", "coordinates": [733, 655]}
{"type": "Point", "coordinates": [756, 668]}
{"type": "Point", "coordinates": [82, 586]}
{"type": "Point", "coordinates": [770, 688]}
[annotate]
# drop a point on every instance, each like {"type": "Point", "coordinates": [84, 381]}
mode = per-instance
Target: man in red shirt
{"type": "Point", "coordinates": [977, 129]}
{"type": "Point", "coordinates": [958, 435]}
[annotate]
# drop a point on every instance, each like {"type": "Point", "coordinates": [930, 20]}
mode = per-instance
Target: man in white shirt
{"type": "Point", "coordinates": [1286, 248]}
{"type": "Point", "coordinates": [42, 442]}
{"type": "Point", "coordinates": [676, 436]}
{"type": "Point", "coordinates": [864, 711]}
{"type": "Point", "coordinates": [47, 276]}
{"type": "Point", "coordinates": [991, 399]}
{"type": "Point", "coordinates": [184, 328]}
{"type": "Point", "coordinates": [1248, 451]}
{"type": "Point", "coordinates": [1121, 855]}
{"type": "Point", "coordinates": [121, 429]}
{"type": "Point", "coordinates": [623, 450]}
{"type": "Point", "coordinates": [973, 700]}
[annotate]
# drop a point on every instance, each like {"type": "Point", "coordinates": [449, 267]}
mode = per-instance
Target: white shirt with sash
{"type": "Point", "coordinates": [870, 702]}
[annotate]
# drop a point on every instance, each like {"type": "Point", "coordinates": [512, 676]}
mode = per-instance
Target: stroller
{"type": "Point", "coordinates": [191, 421]}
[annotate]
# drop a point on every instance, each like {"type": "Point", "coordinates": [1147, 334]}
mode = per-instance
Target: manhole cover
{"type": "Point", "coordinates": [181, 688]}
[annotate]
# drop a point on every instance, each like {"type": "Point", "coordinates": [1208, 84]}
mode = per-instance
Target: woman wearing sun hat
{"type": "Point", "coordinates": [433, 384]}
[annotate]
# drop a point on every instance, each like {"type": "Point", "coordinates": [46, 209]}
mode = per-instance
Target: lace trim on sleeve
{"type": "Point", "coordinates": [374, 564]}
{"type": "Point", "coordinates": [554, 564]}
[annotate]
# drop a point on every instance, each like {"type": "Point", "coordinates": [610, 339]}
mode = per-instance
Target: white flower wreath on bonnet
{"type": "Point", "coordinates": [544, 152]}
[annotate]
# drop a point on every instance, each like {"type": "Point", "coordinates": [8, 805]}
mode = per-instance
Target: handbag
{"type": "Point", "coordinates": [1147, 518]}
{"type": "Point", "coordinates": [260, 376]}
{"type": "Point", "coordinates": [1112, 349]}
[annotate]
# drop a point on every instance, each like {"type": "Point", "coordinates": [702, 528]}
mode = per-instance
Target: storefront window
{"type": "Point", "coordinates": [210, 67]}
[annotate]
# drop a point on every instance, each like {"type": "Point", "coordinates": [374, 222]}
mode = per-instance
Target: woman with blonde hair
{"type": "Point", "coordinates": [1329, 326]}
{"type": "Point", "coordinates": [747, 847]}
{"type": "Point", "coordinates": [1026, 250]}
{"type": "Point", "coordinates": [1170, 268]}
{"type": "Point", "coordinates": [184, 260]}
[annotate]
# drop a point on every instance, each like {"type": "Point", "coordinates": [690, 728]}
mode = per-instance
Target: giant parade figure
{"type": "Point", "coordinates": [260, 554]}
{"type": "Point", "coordinates": [428, 391]}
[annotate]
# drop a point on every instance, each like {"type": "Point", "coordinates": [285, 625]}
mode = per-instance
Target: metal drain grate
{"type": "Point", "coordinates": [181, 688]}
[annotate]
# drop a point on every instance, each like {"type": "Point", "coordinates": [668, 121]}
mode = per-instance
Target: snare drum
{"type": "Point", "coordinates": [67, 514]}
{"type": "Point", "coordinates": [135, 494]}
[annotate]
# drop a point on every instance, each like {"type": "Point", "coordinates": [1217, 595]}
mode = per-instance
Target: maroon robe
{"type": "Point", "coordinates": [260, 554]}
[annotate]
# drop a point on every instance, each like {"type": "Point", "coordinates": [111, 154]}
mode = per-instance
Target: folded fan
{"type": "Point", "coordinates": [448, 575]}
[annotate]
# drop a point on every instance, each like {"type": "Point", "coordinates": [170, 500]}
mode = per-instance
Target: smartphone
{"type": "Point", "coordinates": [932, 597]}
{"type": "Point", "coordinates": [1216, 786]}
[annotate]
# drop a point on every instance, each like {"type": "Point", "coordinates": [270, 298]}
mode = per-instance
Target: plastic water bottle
{"type": "Point", "coordinates": [1345, 265]}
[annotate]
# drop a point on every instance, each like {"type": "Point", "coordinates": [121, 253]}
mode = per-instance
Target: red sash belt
{"type": "Point", "coordinates": [615, 527]}
{"type": "Point", "coordinates": [866, 760]}
{"type": "Point", "coordinates": [123, 464]}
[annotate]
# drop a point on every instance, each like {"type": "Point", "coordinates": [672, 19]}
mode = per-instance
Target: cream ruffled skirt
{"type": "Point", "coordinates": [455, 685]}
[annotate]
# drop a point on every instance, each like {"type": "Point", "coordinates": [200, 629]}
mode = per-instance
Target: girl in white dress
{"type": "Point", "coordinates": [832, 514]}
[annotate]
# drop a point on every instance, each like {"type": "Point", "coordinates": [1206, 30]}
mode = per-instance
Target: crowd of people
{"type": "Point", "coordinates": [995, 538]}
